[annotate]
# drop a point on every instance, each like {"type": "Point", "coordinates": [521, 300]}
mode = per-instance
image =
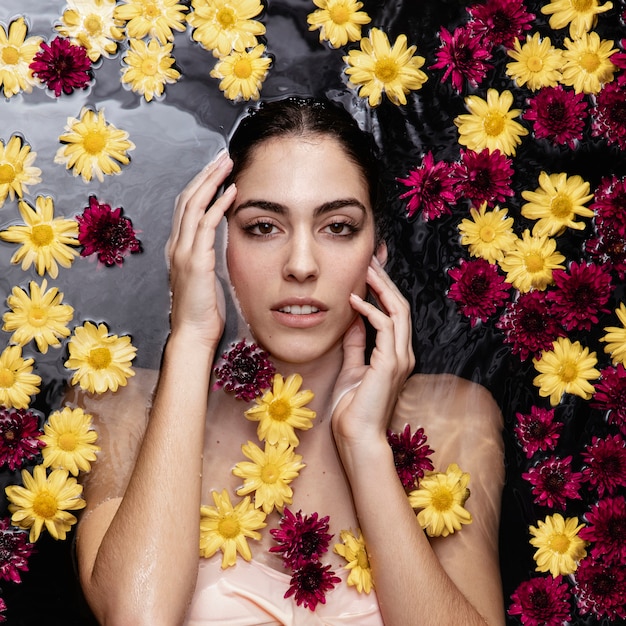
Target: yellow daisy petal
{"type": "Point", "coordinates": [537, 63]}
{"type": "Point", "coordinates": [615, 338]}
{"type": "Point", "coordinates": [16, 55]}
{"type": "Point", "coordinates": [339, 21]}
{"type": "Point", "coordinates": [17, 382]}
{"type": "Point", "coordinates": [354, 551]}
{"type": "Point", "coordinates": [16, 169]}
{"type": "Point", "coordinates": [587, 63]}
{"type": "Point", "coordinates": [241, 74]}
{"type": "Point", "coordinates": [581, 15]}
{"type": "Point", "coordinates": [152, 18]}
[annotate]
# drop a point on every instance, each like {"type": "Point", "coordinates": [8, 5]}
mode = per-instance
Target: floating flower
{"type": "Point", "coordinates": [537, 430]}
{"type": "Point", "coordinates": [17, 382]}
{"type": "Point", "coordinates": [379, 67]}
{"type": "Point", "coordinates": [149, 68]}
{"type": "Point", "coordinates": [441, 497]}
{"type": "Point", "coordinates": [226, 25]}
{"type": "Point", "coordinates": [609, 247]}
{"type": "Point", "coordinates": [600, 590]}
{"type": "Point", "coordinates": [490, 123]}
{"type": "Point", "coordinates": [615, 338]}
{"type": "Point", "coordinates": [536, 64]}
{"type": "Point", "coordinates": [93, 146]}
{"type": "Point", "coordinates": [500, 22]}
{"type": "Point", "coordinates": [607, 115]}
{"type": "Point", "coordinates": [310, 583]}
{"type": "Point", "coordinates": [19, 437]}
{"type": "Point", "coordinates": [15, 550]}
{"type": "Point", "coordinates": [542, 601]}
{"type": "Point", "coordinates": [62, 66]}
{"type": "Point", "coordinates": [241, 74]}
{"type": "Point", "coordinates": [227, 528]}
{"type": "Point", "coordinates": [41, 316]}
{"type": "Point", "coordinates": [269, 474]}
{"type": "Point", "coordinates": [567, 368]}
{"type": "Point", "coordinates": [606, 525]}
{"type": "Point", "coordinates": [107, 233]}
{"type": "Point", "coordinates": [102, 361]}
{"type": "Point", "coordinates": [339, 21]}
{"type": "Point", "coordinates": [411, 455]}
{"type": "Point", "coordinates": [587, 63]}
{"type": "Point", "coordinates": [16, 55]}
{"type": "Point", "coordinates": [488, 234]}
{"type": "Point", "coordinates": [153, 18]}
{"type": "Point", "coordinates": [46, 240]}
{"type": "Point", "coordinates": [581, 16]}
{"type": "Point", "coordinates": [354, 551]}
{"type": "Point", "coordinates": [605, 464]}
{"type": "Point", "coordinates": [281, 410]}
{"type": "Point", "coordinates": [611, 394]}
{"type": "Point", "coordinates": [553, 482]}
{"type": "Point", "coordinates": [608, 205]}
{"type": "Point", "coordinates": [69, 441]}
{"type": "Point", "coordinates": [16, 168]}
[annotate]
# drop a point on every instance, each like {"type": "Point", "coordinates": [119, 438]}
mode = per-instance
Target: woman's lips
{"type": "Point", "coordinates": [299, 315]}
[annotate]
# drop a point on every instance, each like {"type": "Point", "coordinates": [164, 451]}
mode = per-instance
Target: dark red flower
{"type": "Point", "coordinates": [608, 205]}
{"type": "Point", "coordinates": [106, 233]}
{"type": "Point", "coordinates": [605, 461]}
{"type": "Point", "coordinates": [411, 455]}
{"type": "Point", "coordinates": [15, 550]}
{"type": "Point", "coordinates": [609, 114]}
{"type": "Point", "coordinates": [610, 395]}
{"type": "Point", "coordinates": [537, 430]}
{"type": "Point", "coordinates": [606, 529]}
{"type": "Point", "coordinates": [601, 589]}
{"type": "Point", "coordinates": [609, 247]}
{"type": "Point", "coordinates": [62, 66]}
{"type": "Point", "coordinates": [542, 601]}
{"type": "Point", "coordinates": [500, 22]}
{"type": "Point", "coordinates": [19, 432]}
{"type": "Point", "coordinates": [310, 583]}
{"type": "Point", "coordinates": [244, 370]}
{"type": "Point", "coordinates": [553, 482]}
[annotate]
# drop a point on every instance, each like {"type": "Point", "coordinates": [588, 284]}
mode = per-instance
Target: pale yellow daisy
{"type": "Point", "coordinates": [556, 203]}
{"type": "Point", "coordinates": [490, 123]}
{"type": "Point", "coordinates": [69, 440]}
{"type": "Point", "coordinates": [226, 25]}
{"type": "Point", "coordinates": [40, 316]}
{"type": "Point", "coordinates": [227, 528]}
{"type": "Point", "coordinates": [17, 382]}
{"type": "Point", "coordinates": [353, 550]}
{"type": "Point", "coordinates": [16, 168]}
{"type": "Point", "coordinates": [581, 15]}
{"type": "Point", "coordinates": [153, 18]}
{"type": "Point", "coordinates": [379, 68]}
{"type": "Point", "coordinates": [567, 368]}
{"type": "Point", "coordinates": [339, 21]}
{"type": "Point", "coordinates": [149, 67]}
{"type": "Point", "coordinates": [102, 361]}
{"type": "Point", "coordinates": [241, 74]}
{"type": "Point", "coordinates": [92, 146]}
{"type": "Point", "coordinates": [45, 501]}
{"type": "Point", "coordinates": [529, 264]}
{"type": "Point", "coordinates": [488, 234]}
{"type": "Point", "coordinates": [587, 64]}
{"type": "Point", "coordinates": [537, 63]}
{"type": "Point", "coordinates": [559, 548]}
{"type": "Point", "coordinates": [16, 54]}
{"type": "Point", "coordinates": [47, 241]}
{"type": "Point", "coordinates": [615, 338]}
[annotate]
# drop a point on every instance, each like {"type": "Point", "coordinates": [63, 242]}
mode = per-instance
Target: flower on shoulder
{"type": "Point", "coordinates": [537, 430]}
{"type": "Point", "coordinates": [19, 437]}
{"type": "Point", "coordinates": [559, 546]}
{"type": "Point", "coordinates": [610, 394]}
{"type": "Point", "coordinates": [16, 55]}
{"type": "Point", "coordinates": [581, 16]}
{"type": "Point", "coordinates": [16, 168]}
{"type": "Point", "coordinates": [354, 551]}
{"type": "Point", "coordinates": [441, 497]}
{"type": "Point", "coordinates": [411, 455]}
{"type": "Point", "coordinates": [605, 464]}
{"type": "Point", "coordinates": [339, 21]}
{"type": "Point", "coordinates": [615, 337]}
{"type": "Point", "coordinates": [281, 410]}
{"type": "Point", "coordinates": [500, 22]}
{"type": "Point", "coordinates": [488, 234]}
{"type": "Point", "coordinates": [154, 18]}
{"type": "Point", "coordinates": [536, 64]}
{"type": "Point", "coordinates": [606, 120]}
{"type": "Point", "coordinates": [44, 501]}
{"type": "Point", "coordinates": [310, 583]}
{"type": "Point", "coordinates": [553, 482]}
{"type": "Point", "coordinates": [606, 522]}
{"type": "Point", "coordinates": [242, 72]}
{"type": "Point", "coordinates": [15, 550]}
{"type": "Point", "coordinates": [227, 528]}
{"type": "Point", "coordinates": [600, 590]}
{"type": "Point", "coordinates": [542, 601]}
{"type": "Point", "coordinates": [102, 361]}
{"type": "Point", "coordinates": [17, 382]}
{"type": "Point", "coordinates": [588, 63]}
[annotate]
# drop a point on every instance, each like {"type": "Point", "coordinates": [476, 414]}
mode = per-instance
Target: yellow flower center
{"type": "Point", "coordinates": [7, 173]}
{"type": "Point", "coordinates": [362, 560]}
{"type": "Point", "coordinates": [270, 473]}
{"type": "Point", "coordinates": [151, 11]}
{"type": "Point", "coordinates": [42, 235]}
{"type": "Point", "coordinates": [534, 262]}
{"type": "Point", "coordinates": [242, 69]}
{"type": "Point", "coordinates": [559, 543]}
{"type": "Point", "coordinates": [493, 124]}
{"type": "Point", "coordinates": [339, 14]}
{"type": "Point", "coordinates": [10, 55]}
{"type": "Point", "coordinates": [228, 527]}
{"type": "Point", "coordinates": [226, 17]}
{"type": "Point", "coordinates": [561, 206]}
{"type": "Point", "coordinates": [149, 67]}
{"type": "Point", "coordinates": [386, 69]}
{"type": "Point", "coordinates": [94, 142]}
{"type": "Point", "coordinates": [7, 378]}
{"type": "Point", "coordinates": [535, 64]}
{"type": "Point", "coordinates": [45, 505]}
{"type": "Point", "coordinates": [568, 372]}
{"type": "Point", "coordinates": [279, 410]}
{"type": "Point", "coordinates": [9, 435]}
{"type": "Point", "coordinates": [487, 234]}
{"type": "Point", "coordinates": [37, 316]}
{"type": "Point", "coordinates": [442, 499]}
{"type": "Point", "coordinates": [589, 61]}
{"type": "Point", "coordinates": [99, 358]}
{"type": "Point", "coordinates": [67, 442]}
{"type": "Point", "coordinates": [582, 6]}
{"type": "Point", "coordinates": [93, 24]}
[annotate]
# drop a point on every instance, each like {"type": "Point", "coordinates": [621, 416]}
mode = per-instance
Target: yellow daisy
{"type": "Point", "coordinates": [556, 203]}
{"type": "Point", "coordinates": [16, 168]}
{"type": "Point", "coordinates": [227, 528]}
{"type": "Point", "coordinates": [241, 74]}
{"type": "Point", "coordinates": [149, 67]}
{"type": "Point", "coordinates": [269, 474]}
{"type": "Point", "coordinates": [92, 146]}
{"type": "Point", "coordinates": [69, 441]}
{"type": "Point", "coordinates": [529, 264]}
{"type": "Point", "coordinates": [154, 18]}
{"type": "Point", "coordinates": [41, 316]}
{"type": "Point", "coordinates": [102, 361]}
{"type": "Point", "coordinates": [17, 382]}
{"type": "Point", "coordinates": [226, 25]}
{"type": "Point", "coordinates": [567, 368]}
{"type": "Point", "coordinates": [46, 240]}
{"type": "Point", "coordinates": [587, 66]}
{"type": "Point", "coordinates": [338, 21]}
{"type": "Point", "coordinates": [45, 501]}
{"type": "Point", "coordinates": [16, 54]}
{"type": "Point", "coordinates": [559, 548]}
{"type": "Point", "coordinates": [581, 15]}
{"type": "Point", "coordinates": [488, 234]}
{"type": "Point", "coordinates": [92, 25]}
{"type": "Point", "coordinates": [537, 63]}
{"type": "Point", "coordinates": [281, 410]}
{"type": "Point", "coordinates": [378, 67]}
{"type": "Point", "coordinates": [490, 123]}
{"type": "Point", "coordinates": [441, 496]}
{"type": "Point", "coordinates": [353, 550]}
{"type": "Point", "coordinates": [616, 338]}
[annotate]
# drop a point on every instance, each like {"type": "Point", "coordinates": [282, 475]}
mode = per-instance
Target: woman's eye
{"type": "Point", "coordinates": [261, 228]}
{"type": "Point", "coordinates": [340, 228]}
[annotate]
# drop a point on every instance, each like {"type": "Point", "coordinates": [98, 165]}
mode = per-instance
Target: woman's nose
{"type": "Point", "coordinates": [301, 263]}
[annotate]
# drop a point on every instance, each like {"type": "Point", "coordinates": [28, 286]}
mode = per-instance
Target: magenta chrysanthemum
{"type": "Point", "coordinates": [610, 395]}
{"type": "Point", "coordinates": [15, 550]}
{"type": "Point", "coordinates": [608, 205]}
{"type": "Point", "coordinates": [500, 22]}
{"type": "Point", "coordinates": [609, 247]}
{"type": "Point", "coordinates": [432, 189]}
{"type": "Point", "coordinates": [606, 529]}
{"type": "Point", "coordinates": [310, 583]}
{"type": "Point", "coordinates": [537, 430]}
{"type": "Point", "coordinates": [411, 455]}
{"type": "Point", "coordinates": [600, 589]}
{"type": "Point", "coordinates": [244, 370]}
{"type": "Point", "coordinates": [605, 464]}
{"type": "Point", "coordinates": [553, 482]}
{"type": "Point", "coordinates": [558, 114]}
{"type": "Point", "coordinates": [478, 289]}
{"type": "Point", "coordinates": [107, 233]}
{"type": "Point", "coordinates": [62, 66]}
{"type": "Point", "coordinates": [542, 601]}
{"type": "Point", "coordinates": [609, 114]}
{"type": "Point", "coordinates": [19, 437]}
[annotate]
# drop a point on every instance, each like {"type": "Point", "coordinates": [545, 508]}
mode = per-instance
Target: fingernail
{"type": "Point", "coordinates": [219, 158]}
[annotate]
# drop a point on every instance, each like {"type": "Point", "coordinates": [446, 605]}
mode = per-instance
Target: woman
{"type": "Point", "coordinates": [304, 248]}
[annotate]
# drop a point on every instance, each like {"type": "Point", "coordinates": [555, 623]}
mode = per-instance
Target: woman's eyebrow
{"type": "Point", "coordinates": [275, 207]}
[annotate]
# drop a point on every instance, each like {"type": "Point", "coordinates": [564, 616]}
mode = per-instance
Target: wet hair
{"type": "Point", "coordinates": [299, 116]}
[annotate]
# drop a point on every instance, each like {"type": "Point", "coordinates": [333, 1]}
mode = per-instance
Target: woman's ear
{"type": "Point", "coordinates": [381, 253]}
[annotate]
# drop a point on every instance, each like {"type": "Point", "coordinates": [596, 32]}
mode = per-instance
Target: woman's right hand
{"type": "Point", "coordinates": [197, 296]}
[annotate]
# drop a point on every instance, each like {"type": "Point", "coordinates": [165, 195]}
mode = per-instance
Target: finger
{"type": "Point", "coordinates": [354, 345]}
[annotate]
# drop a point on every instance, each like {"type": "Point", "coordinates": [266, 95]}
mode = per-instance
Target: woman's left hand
{"type": "Point", "coordinates": [365, 395]}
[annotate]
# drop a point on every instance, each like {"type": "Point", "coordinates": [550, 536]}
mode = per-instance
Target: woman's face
{"type": "Point", "coordinates": [300, 239]}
